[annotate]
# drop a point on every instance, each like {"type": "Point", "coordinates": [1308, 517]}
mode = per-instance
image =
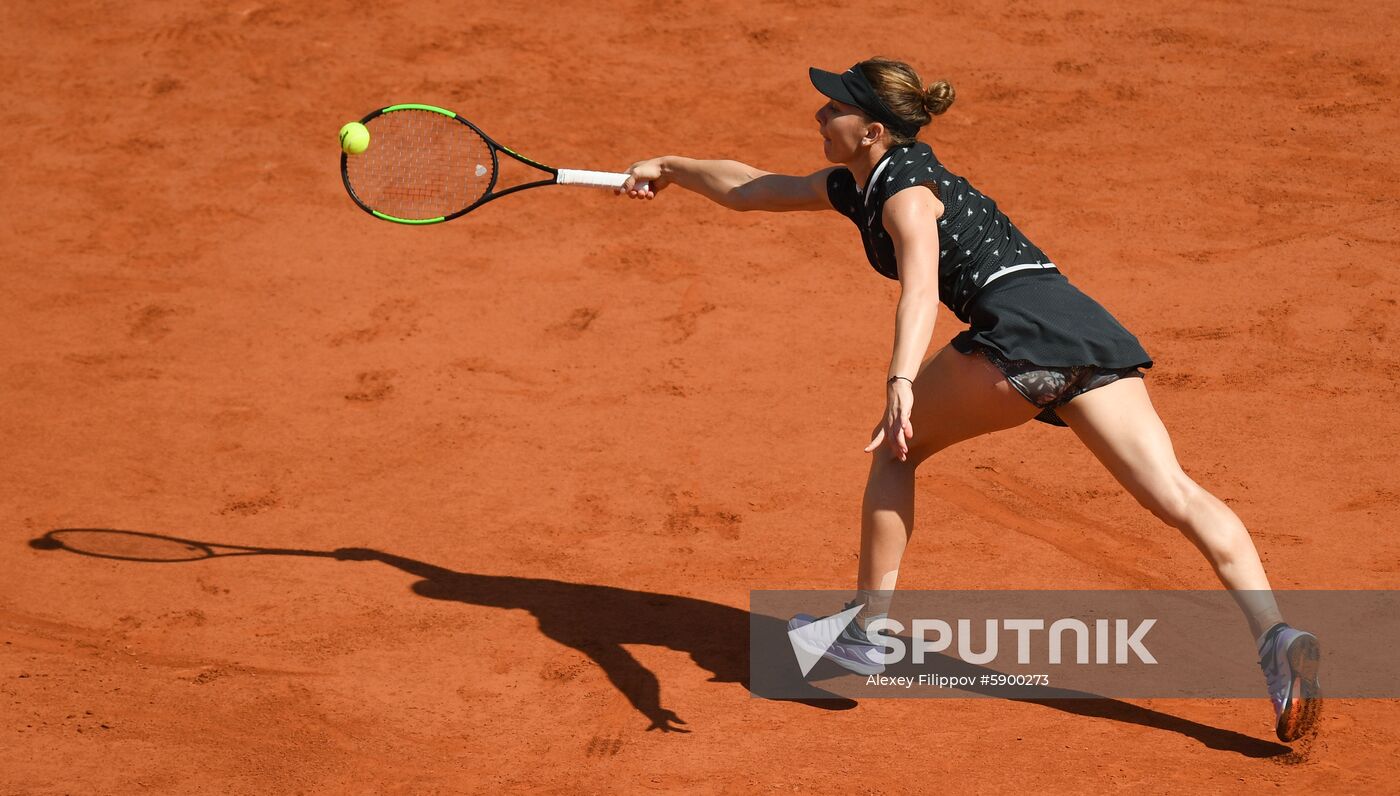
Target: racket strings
{"type": "Point", "coordinates": [420, 165]}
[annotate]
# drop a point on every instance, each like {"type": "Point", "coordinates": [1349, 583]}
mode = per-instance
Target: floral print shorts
{"type": "Point", "coordinates": [1050, 388]}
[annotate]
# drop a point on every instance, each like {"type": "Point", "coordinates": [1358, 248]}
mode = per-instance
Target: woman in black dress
{"type": "Point", "coordinates": [1036, 348]}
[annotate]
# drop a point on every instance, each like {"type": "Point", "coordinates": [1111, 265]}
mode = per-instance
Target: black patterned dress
{"type": "Point", "coordinates": [1012, 296]}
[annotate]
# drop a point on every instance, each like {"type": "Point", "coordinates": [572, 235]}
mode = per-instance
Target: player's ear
{"type": "Point", "coordinates": [873, 133]}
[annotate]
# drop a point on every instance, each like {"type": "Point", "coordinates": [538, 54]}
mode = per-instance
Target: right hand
{"type": "Point", "coordinates": [644, 171]}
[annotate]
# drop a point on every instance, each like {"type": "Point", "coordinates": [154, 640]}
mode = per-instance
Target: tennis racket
{"type": "Point", "coordinates": [426, 165]}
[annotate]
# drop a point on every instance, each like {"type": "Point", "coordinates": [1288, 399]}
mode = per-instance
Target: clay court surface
{"type": "Point", "coordinates": [571, 432]}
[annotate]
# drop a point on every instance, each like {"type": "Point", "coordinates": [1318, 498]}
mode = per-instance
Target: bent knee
{"type": "Point", "coordinates": [1171, 498]}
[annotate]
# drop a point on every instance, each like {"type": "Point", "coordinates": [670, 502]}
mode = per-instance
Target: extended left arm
{"type": "Point", "coordinates": [911, 218]}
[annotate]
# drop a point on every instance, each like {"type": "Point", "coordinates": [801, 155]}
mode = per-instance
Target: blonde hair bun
{"type": "Point", "coordinates": [938, 96]}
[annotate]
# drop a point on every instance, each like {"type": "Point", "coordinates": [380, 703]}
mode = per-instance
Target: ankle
{"type": "Point", "coordinates": [1264, 637]}
{"type": "Point", "coordinates": [876, 605]}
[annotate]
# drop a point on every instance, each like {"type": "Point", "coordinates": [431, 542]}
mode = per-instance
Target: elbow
{"type": "Point", "coordinates": [737, 199]}
{"type": "Point", "coordinates": [918, 306]}
{"type": "Point", "coordinates": [918, 282]}
{"type": "Point", "coordinates": [918, 296]}
{"type": "Point", "coordinates": [748, 193]}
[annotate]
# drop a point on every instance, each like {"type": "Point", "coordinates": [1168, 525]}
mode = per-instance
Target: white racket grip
{"type": "Point", "coordinates": [595, 179]}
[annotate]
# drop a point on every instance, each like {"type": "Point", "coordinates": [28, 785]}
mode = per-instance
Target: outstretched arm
{"type": "Point", "coordinates": [735, 185]}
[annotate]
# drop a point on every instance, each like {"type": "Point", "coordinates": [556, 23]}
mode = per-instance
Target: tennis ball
{"type": "Point", "coordinates": [354, 138]}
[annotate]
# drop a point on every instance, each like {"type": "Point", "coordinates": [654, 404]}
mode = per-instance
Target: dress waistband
{"type": "Point", "coordinates": [1013, 268]}
{"type": "Point", "coordinates": [1038, 268]}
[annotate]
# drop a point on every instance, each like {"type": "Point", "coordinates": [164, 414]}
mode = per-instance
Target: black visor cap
{"type": "Point", "coordinates": [829, 83]}
{"type": "Point", "coordinates": [852, 88]}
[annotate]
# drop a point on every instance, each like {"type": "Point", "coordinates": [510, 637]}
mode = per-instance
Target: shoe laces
{"type": "Point", "coordinates": [822, 633]}
{"type": "Point", "coordinates": [1271, 661]}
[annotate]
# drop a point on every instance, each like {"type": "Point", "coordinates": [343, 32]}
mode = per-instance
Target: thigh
{"type": "Point", "coordinates": [960, 396]}
{"type": "Point", "coordinates": [1119, 425]}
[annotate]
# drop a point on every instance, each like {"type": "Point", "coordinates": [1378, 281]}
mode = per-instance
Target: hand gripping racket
{"type": "Point", "coordinates": [426, 165]}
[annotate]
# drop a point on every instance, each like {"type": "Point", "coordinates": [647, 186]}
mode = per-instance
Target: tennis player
{"type": "Point", "coordinates": [1036, 348]}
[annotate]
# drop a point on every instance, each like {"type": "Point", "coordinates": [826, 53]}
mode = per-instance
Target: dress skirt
{"type": "Point", "coordinates": [1044, 319]}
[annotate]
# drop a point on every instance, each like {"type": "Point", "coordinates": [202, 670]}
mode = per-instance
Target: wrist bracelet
{"type": "Point", "coordinates": [893, 379]}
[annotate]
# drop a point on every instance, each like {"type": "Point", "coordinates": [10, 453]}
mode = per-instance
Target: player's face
{"type": "Point", "coordinates": [842, 127]}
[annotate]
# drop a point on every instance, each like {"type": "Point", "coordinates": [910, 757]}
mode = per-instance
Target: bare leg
{"type": "Point", "coordinates": [956, 397]}
{"type": "Point", "coordinates": [1118, 423]}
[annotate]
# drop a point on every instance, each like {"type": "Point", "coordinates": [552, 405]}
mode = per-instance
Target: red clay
{"type": "Point", "coordinates": [570, 403]}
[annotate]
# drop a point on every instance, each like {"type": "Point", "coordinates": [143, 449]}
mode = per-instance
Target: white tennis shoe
{"type": "Point", "coordinates": [1290, 658]}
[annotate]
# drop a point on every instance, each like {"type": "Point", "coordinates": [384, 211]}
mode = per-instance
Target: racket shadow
{"type": "Point", "coordinates": [599, 620]}
{"type": "Point", "coordinates": [595, 620]}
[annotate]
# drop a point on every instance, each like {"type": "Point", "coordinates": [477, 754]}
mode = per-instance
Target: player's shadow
{"type": "Point", "coordinates": [1080, 703]}
{"type": "Point", "coordinates": [599, 620]}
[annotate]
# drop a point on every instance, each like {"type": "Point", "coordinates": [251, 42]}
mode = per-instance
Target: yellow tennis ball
{"type": "Point", "coordinates": [354, 138]}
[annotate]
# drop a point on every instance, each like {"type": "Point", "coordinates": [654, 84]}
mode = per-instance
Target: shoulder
{"type": "Point", "coordinates": [841, 190]}
{"type": "Point", "coordinates": [911, 214]}
{"type": "Point", "coordinates": [840, 178]}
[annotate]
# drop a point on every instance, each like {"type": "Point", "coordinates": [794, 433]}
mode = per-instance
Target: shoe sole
{"type": "Point", "coordinates": [1300, 714]}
